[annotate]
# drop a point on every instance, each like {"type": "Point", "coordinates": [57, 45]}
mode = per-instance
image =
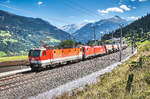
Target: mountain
{"type": "Point", "coordinates": [19, 33]}
{"type": "Point", "coordinates": [71, 28]}
{"type": "Point", "coordinates": [140, 29]}
{"type": "Point", "coordinates": [102, 27]}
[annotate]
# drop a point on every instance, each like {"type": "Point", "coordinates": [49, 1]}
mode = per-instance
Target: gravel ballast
{"type": "Point", "coordinates": [62, 75]}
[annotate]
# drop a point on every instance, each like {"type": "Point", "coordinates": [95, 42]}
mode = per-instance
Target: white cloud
{"type": "Point", "coordinates": [40, 3]}
{"type": "Point", "coordinates": [138, 0]}
{"type": "Point", "coordinates": [134, 7]}
{"type": "Point", "coordinates": [133, 0]}
{"type": "Point", "coordinates": [72, 16]}
{"type": "Point", "coordinates": [102, 14]}
{"type": "Point", "coordinates": [125, 7]}
{"type": "Point", "coordinates": [142, 0]}
{"type": "Point", "coordinates": [89, 21]}
{"type": "Point", "coordinates": [114, 9]}
{"type": "Point", "coordinates": [133, 18]}
{"type": "Point", "coordinates": [8, 1]}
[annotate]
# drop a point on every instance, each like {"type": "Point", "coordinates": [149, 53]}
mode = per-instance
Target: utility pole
{"type": "Point", "coordinates": [95, 35]}
{"type": "Point", "coordinates": [112, 37]}
{"type": "Point", "coordinates": [101, 36]}
{"type": "Point", "coordinates": [141, 33]}
{"type": "Point", "coordinates": [121, 42]}
{"type": "Point", "coordinates": [133, 40]}
{"type": "Point", "coordinates": [132, 43]}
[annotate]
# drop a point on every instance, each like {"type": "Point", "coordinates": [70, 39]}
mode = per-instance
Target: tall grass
{"type": "Point", "coordinates": [13, 58]}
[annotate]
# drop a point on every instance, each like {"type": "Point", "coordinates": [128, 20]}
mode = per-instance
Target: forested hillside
{"type": "Point", "coordinates": [18, 33]}
{"type": "Point", "coordinates": [140, 29]}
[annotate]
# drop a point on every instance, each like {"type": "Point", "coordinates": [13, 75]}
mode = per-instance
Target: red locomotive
{"type": "Point", "coordinates": [43, 58]}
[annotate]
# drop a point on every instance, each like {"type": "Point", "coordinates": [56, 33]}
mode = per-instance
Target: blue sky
{"type": "Point", "coordinates": [61, 12]}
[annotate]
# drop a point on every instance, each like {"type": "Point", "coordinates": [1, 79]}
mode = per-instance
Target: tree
{"type": "Point", "coordinates": [67, 43]}
{"type": "Point", "coordinates": [90, 43]}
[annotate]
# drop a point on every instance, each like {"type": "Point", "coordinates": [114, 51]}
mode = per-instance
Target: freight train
{"type": "Point", "coordinates": [43, 58]}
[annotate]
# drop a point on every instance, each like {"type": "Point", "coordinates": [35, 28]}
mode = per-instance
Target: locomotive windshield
{"type": "Point", "coordinates": [34, 53]}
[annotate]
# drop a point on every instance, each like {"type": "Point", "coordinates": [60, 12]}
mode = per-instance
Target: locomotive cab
{"type": "Point", "coordinates": [35, 56]}
{"type": "Point", "coordinates": [34, 53]}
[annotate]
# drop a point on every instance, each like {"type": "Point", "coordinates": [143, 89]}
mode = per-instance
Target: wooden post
{"type": "Point", "coordinates": [129, 83]}
{"type": "Point", "coordinates": [121, 42]}
{"type": "Point", "coordinates": [140, 62]}
{"type": "Point", "coordinates": [94, 35]}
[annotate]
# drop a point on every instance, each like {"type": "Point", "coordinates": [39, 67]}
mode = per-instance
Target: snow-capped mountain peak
{"type": "Point", "coordinates": [103, 26]}
{"type": "Point", "coordinates": [116, 17]}
{"type": "Point", "coordinates": [72, 28]}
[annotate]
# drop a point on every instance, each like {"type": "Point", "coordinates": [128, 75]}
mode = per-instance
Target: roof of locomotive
{"type": "Point", "coordinates": [86, 46]}
{"type": "Point", "coordinates": [98, 46]}
{"type": "Point", "coordinates": [40, 48]}
{"type": "Point", "coordinates": [92, 46]}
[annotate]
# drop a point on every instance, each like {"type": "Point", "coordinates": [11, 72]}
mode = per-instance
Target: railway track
{"type": "Point", "coordinates": [7, 81]}
{"type": "Point", "coordinates": [19, 80]}
{"type": "Point", "coordinates": [9, 77]}
{"type": "Point", "coordinates": [13, 76]}
{"type": "Point", "coordinates": [19, 83]}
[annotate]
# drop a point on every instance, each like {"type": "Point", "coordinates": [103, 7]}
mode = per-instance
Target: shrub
{"type": "Point", "coordinates": [145, 46]}
{"type": "Point", "coordinates": [67, 43]}
{"type": "Point", "coordinates": [133, 65]}
{"type": "Point", "coordinates": [2, 54]}
{"type": "Point", "coordinates": [147, 78]}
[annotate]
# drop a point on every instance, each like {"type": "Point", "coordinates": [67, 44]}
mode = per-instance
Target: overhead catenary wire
{"type": "Point", "coordinates": [82, 9]}
{"type": "Point", "coordinates": [79, 9]}
{"type": "Point", "coordinates": [31, 13]}
{"type": "Point", "coordinates": [34, 14]}
{"type": "Point", "coordinates": [86, 9]}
